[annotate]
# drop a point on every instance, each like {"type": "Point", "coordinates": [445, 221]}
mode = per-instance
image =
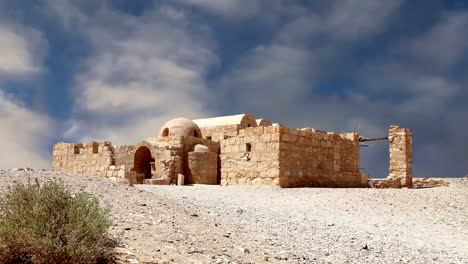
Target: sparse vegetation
{"type": "Point", "coordinates": [49, 224]}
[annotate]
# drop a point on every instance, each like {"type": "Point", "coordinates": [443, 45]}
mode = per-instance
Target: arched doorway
{"type": "Point", "coordinates": [142, 161]}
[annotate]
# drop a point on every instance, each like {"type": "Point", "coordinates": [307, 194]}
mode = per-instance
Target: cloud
{"type": "Point", "coordinates": [444, 44]}
{"type": "Point", "coordinates": [286, 70]}
{"type": "Point", "coordinates": [22, 135]}
{"type": "Point", "coordinates": [303, 77]}
{"type": "Point", "coordinates": [143, 71]}
{"type": "Point", "coordinates": [228, 7]}
{"type": "Point", "coordinates": [350, 20]}
{"type": "Point", "coordinates": [22, 50]}
{"type": "Point", "coordinates": [270, 11]}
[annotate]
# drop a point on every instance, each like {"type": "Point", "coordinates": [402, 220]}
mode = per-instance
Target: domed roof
{"type": "Point", "coordinates": [180, 127]}
{"type": "Point", "coordinates": [263, 122]}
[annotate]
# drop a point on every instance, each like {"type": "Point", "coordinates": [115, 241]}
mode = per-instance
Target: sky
{"type": "Point", "coordinates": [85, 70]}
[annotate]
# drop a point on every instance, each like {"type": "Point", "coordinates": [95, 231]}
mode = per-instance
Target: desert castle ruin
{"type": "Point", "coordinates": [236, 149]}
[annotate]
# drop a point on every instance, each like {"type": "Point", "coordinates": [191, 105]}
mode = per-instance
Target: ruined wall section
{"type": "Point", "coordinates": [401, 155]}
{"type": "Point", "coordinates": [92, 158]}
{"type": "Point", "coordinates": [123, 156]}
{"type": "Point", "coordinates": [202, 168]}
{"type": "Point", "coordinates": [313, 158]}
{"type": "Point", "coordinates": [252, 158]}
{"type": "Point", "coordinates": [211, 163]}
{"type": "Point", "coordinates": [286, 157]}
{"type": "Point", "coordinates": [168, 153]}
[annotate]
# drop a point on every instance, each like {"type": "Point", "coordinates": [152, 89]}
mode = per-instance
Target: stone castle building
{"type": "Point", "coordinates": [234, 150]}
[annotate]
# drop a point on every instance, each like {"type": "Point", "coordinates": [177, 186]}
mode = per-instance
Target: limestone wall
{"type": "Point", "coordinates": [123, 156]}
{"type": "Point", "coordinates": [291, 158]}
{"type": "Point", "coordinates": [168, 154]}
{"type": "Point", "coordinates": [202, 168]}
{"type": "Point", "coordinates": [171, 154]}
{"type": "Point", "coordinates": [315, 158]}
{"type": "Point", "coordinates": [401, 155]}
{"type": "Point", "coordinates": [217, 133]}
{"type": "Point", "coordinates": [89, 158]}
{"type": "Point", "coordinates": [190, 142]}
{"type": "Point", "coordinates": [252, 158]}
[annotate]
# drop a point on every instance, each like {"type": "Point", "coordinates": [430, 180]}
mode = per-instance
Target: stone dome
{"type": "Point", "coordinates": [180, 127]}
{"type": "Point", "coordinates": [201, 148]}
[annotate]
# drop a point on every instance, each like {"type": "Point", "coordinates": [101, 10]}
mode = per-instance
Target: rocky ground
{"type": "Point", "coordinates": [237, 224]}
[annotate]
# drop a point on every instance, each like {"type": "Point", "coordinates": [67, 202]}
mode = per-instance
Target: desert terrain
{"type": "Point", "coordinates": [246, 224]}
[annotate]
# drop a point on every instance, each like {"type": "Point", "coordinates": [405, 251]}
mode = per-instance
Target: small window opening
{"type": "Point", "coordinates": [248, 147]}
{"type": "Point", "coordinates": [76, 150]}
{"type": "Point", "coordinates": [248, 125]}
{"type": "Point", "coordinates": [165, 132]}
{"type": "Point", "coordinates": [209, 138]}
{"type": "Point", "coordinates": [95, 147]}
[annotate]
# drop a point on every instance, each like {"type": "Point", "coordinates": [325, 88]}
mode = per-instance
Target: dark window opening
{"type": "Point", "coordinates": [248, 147]}
{"type": "Point", "coordinates": [76, 150]}
{"type": "Point", "coordinates": [95, 147]}
{"type": "Point", "coordinates": [209, 138]}
{"type": "Point", "coordinates": [165, 132]}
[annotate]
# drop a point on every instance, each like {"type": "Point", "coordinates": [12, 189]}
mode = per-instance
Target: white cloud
{"type": "Point", "coordinates": [270, 11]}
{"type": "Point", "coordinates": [228, 7]}
{"type": "Point", "coordinates": [22, 135]}
{"type": "Point", "coordinates": [21, 50]}
{"type": "Point", "coordinates": [23, 132]}
{"type": "Point", "coordinates": [444, 44]}
{"type": "Point", "coordinates": [144, 70]}
{"type": "Point", "coordinates": [351, 20]}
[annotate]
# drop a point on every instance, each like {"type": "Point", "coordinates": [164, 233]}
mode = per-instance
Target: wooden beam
{"type": "Point", "coordinates": [372, 139]}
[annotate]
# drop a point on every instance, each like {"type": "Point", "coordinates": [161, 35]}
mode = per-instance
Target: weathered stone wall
{"type": "Point", "coordinates": [123, 156]}
{"type": "Point", "coordinates": [189, 145]}
{"type": "Point", "coordinates": [171, 154]}
{"type": "Point", "coordinates": [401, 155]}
{"type": "Point", "coordinates": [217, 133]}
{"type": "Point", "coordinates": [291, 158]}
{"type": "Point", "coordinates": [202, 168]}
{"type": "Point", "coordinates": [168, 154]}
{"type": "Point", "coordinates": [252, 158]}
{"type": "Point", "coordinates": [89, 158]}
{"type": "Point", "coordinates": [190, 142]}
{"type": "Point", "coordinates": [318, 159]}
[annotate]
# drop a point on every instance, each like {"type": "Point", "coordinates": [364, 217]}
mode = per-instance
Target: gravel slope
{"type": "Point", "coordinates": [235, 224]}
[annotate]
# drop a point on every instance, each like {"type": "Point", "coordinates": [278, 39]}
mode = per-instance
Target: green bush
{"type": "Point", "coordinates": [48, 224]}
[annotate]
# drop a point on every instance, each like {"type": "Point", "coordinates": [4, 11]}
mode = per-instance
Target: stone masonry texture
{"type": "Point", "coordinates": [401, 155]}
{"type": "Point", "coordinates": [236, 152]}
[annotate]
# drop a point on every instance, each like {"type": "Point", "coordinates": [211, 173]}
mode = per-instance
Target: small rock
{"type": "Point", "coordinates": [194, 215]}
{"type": "Point", "coordinates": [127, 228]}
{"type": "Point", "coordinates": [365, 247]}
{"type": "Point", "coordinates": [244, 250]}
{"type": "Point", "coordinates": [194, 251]}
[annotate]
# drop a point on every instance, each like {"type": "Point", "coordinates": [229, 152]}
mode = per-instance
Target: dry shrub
{"type": "Point", "coordinates": [48, 224]}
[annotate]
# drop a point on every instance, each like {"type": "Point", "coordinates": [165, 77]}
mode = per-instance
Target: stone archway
{"type": "Point", "coordinates": [142, 161]}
